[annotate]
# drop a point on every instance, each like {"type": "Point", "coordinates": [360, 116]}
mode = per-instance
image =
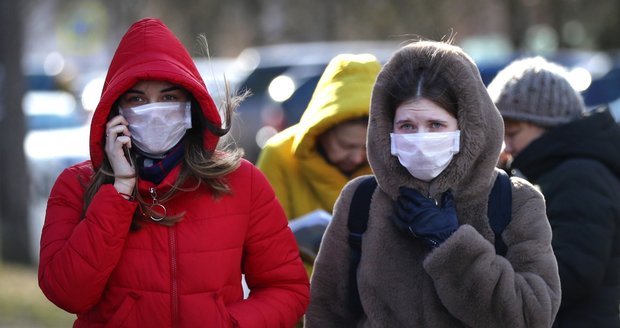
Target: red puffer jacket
{"type": "Point", "coordinates": [186, 275]}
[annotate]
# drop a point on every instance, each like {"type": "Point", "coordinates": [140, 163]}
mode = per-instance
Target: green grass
{"type": "Point", "coordinates": [22, 304]}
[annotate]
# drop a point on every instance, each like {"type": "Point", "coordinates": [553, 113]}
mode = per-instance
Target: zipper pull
{"type": "Point", "coordinates": [155, 215]}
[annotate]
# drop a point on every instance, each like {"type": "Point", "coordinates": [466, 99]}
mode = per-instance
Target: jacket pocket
{"type": "Point", "coordinates": [205, 308]}
{"type": "Point", "coordinates": [119, 319]}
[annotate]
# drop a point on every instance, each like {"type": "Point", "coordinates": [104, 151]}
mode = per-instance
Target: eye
{"type": "Point", "coordinates": [406, 126]}
{"type": "Point", "coordinates": [511, 133]}
{"type": "Point", "coordinates": [349, 147]}
{"type": "Point", "coordinates": [436, 125]}
{"type": "Point", "coordinates": [174, 96]}
{"type": "Point", "coordinates": [169, 97]}
{"type": "Point", "coordinates": [133, 99]}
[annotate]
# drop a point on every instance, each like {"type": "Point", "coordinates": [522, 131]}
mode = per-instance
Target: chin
{"type": "Point", "coordinates": [348, 170]}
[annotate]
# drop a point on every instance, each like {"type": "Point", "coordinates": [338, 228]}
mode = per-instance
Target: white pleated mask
{"type": "Point", "coordinates": [157, 127]}
{"type": "Point", "coordinates": [425, 155]}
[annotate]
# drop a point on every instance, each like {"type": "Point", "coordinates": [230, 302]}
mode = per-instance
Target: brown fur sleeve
{"type": "Point", "coordinates": [328, 287]}
{"type": "Point", "coordinates": [483, 289]}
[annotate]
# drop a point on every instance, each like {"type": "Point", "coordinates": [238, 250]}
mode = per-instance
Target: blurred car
{"type": "Point", "coordinates": [56, 134]}
{"type": "Point", "coordinates": [215, 72]}
{"type": "Point", "coordinates": [595, 74]}
{"type": "Point", "coordinates": [51, 109]}
{"type": "Point", "coordinates": [281, 79]}
{"type": "Point", "coordinates": [56, 137]}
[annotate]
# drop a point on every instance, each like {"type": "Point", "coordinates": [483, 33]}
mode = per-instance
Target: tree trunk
{"type": "Point", "coordinates": [14, 181]}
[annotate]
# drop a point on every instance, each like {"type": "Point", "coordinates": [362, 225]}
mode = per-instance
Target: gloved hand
{"type": "Point", "coordinates": [422, 218]}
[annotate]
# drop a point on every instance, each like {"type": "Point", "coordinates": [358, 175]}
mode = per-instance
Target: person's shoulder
{"type": "Point", "coordinates": [245, 167]}
{"type": "Point", "coordinates": [282, 139]}
{"type": "Point", "coordinates": [246, 172]}
{"type": "Point", "coordinates": [277, 150]}
{"type": "Point", "coordinates": [76, 175]}
{"type": "Point", "coordinates": [352, 185]}
{"type": "Point", "coordinates": [578, 164]}
{"type": "Point", "coordinates": [84, 168]}
{"type": "Point", "coordinates": [523, 190]}
{"type": "Point", "coordinates": [581, 172]}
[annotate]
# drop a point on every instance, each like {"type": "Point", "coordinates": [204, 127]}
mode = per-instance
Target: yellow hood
{"type": "Point", "coordinates": [342, 93]}
{"type": "Point", "coordinates": [302, 179]}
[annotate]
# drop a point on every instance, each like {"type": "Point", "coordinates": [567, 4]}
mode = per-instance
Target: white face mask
{"type": "Point", "coordinates": [425, 155]}
{"type": "Point", "coordinates": [156, 127]}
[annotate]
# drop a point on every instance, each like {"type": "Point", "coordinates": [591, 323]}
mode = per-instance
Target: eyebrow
{"type": "Point", "coordinates": [442, 121]}
{"type": "Point", "coordinates": [403, 121]}
{"type": "Point", "coordinates": [134, 91]}
{"type": "Point", "coordinates": [172, 88]}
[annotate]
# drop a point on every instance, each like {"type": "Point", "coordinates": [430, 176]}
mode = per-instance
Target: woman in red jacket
{"type": "Point", "coordinates": [158, 227]}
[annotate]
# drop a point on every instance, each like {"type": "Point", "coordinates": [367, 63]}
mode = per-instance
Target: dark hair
{"type": "Point", "coordinates": [357, 120]}
{"type": "Point", "coordinates": [414, 80]}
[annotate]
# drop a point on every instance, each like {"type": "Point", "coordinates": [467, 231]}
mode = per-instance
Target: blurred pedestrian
{"type": "Point", "coordinates": [428, 257]}
{"type": "Point", "coordinates": [574, 157]}
{"type": "Point", "coordinates": [158, 227]}
{"type": "Point", "coordinates": [308, 163]}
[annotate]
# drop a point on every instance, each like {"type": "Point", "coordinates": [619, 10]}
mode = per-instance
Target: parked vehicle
{"type": "Point", "coordinates": [214, 71]}
{"type": "Point", "coordinates": [595, 74]}
{"type": "Point", "coordinates": [56, 137]}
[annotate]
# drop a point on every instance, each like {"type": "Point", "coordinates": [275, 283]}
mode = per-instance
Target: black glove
{"type": "Point", "coordinates": [420, 217]}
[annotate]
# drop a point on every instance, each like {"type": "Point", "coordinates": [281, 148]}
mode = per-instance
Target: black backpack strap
{"type": "Point", "coordinates": [357, 223]}
{"type": "Point", "coordinates": [500, 209]}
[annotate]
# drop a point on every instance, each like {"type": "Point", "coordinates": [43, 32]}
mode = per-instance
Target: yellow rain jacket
{"type": "Point", "coordinates": [302, 179]}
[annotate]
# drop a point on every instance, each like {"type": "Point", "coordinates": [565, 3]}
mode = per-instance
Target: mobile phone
{"type": "Point", "coordinates": [127, 155]}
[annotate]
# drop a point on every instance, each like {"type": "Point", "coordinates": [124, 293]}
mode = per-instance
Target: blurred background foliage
{"type": "Point", "coordinates": [91, 27]}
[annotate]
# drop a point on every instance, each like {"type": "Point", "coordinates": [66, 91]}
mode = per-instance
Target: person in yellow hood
{"type": "Point", "coordinates": [309, 162]}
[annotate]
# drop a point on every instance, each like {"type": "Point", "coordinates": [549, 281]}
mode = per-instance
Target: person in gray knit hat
{"type": "Point", "coordinates": [574, 157]}
{"type": "Point", "coordinates": [536, 91]}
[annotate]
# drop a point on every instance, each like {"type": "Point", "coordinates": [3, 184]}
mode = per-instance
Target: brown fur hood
{"type": "Point", "coordinates": [463, 282]}
{"type": "Point", "coordinates": [470, 174]}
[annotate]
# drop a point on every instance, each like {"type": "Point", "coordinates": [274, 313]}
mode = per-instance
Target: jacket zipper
{"type": "Point", "coordinates": [174, 293]}
{"type": "Point", "coordinates": [174, 288]}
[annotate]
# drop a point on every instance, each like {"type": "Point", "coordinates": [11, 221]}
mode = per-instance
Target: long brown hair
{"type": "Point", "coordinates": [206, 167]}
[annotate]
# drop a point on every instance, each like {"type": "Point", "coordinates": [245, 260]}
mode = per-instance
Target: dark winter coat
{"type": "Point", "coordinates": [577, 166]}
{"type": "Point", "coordinates": [462, 283]}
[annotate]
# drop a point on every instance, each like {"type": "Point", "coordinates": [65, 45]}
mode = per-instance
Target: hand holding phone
{"type": "Point", "coordinates": [117, 148]}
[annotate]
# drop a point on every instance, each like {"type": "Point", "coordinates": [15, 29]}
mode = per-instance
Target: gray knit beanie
{"type": "Point", "coordinates": [537, 91]}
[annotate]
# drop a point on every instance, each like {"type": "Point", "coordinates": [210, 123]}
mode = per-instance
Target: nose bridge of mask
{"type": "Point", "coordinates": [157, 114]}
{"type": "Point", "coordinates": [425, 155]}
{"type": "Point", "coordinates": [426, 143]}
{"type": "Point", "coordinates": [155, 128]}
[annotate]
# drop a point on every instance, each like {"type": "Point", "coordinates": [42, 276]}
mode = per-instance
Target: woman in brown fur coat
{"type": "Point", "coordinates": [428, 257]}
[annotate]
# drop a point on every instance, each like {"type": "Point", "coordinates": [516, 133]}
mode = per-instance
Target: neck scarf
{"type": "Point", "coordinates": [154, 169]}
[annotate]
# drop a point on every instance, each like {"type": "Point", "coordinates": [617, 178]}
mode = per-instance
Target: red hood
{"type": "Point", "coordinates": [149, 51]}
